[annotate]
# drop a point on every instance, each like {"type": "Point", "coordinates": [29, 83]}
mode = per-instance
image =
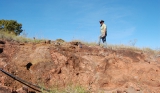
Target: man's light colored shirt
{"type": "Point", "coordinates": [103, 27]}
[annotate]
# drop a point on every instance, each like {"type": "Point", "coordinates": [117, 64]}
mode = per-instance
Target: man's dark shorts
{"type": "Point", "coordinates": [104, 39]}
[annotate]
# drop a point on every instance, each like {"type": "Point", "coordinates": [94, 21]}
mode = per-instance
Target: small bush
{"type": "Point", "coordinates": [60, 40]}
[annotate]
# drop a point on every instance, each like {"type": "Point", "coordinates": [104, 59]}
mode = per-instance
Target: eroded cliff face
{"type": "Point", "coordinates": [95, 68]}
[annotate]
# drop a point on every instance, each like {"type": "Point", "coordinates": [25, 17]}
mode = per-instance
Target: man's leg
{"type": "Point", "coordinates": [99, 40]}
{"type": "Point", "coordinates": [104, 41]}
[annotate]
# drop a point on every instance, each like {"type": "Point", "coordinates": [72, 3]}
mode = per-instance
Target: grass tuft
{"type": "Point", "coordinates": [68, 89]}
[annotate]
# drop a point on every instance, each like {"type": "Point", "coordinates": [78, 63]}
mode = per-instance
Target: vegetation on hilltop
{"type": "Point", "coordinates": [11, 26]}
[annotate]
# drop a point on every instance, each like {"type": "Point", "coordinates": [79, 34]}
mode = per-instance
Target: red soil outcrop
{"type": "Point", "coordinates": [93, 67]}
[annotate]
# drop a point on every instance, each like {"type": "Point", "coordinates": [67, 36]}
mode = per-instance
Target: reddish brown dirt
{"type": "Point", "coordinates": [95, 68]}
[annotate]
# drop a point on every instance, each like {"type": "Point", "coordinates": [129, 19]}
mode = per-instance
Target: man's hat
{"type": "Point", "coordinates": [101, 21]}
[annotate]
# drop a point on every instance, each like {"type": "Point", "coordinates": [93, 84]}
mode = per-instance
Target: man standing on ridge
{"type": "Point", "coordinates": [103, 29]}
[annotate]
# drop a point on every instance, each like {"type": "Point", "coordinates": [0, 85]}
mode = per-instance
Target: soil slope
{"type": "Point", "coordinates": [93, 67]}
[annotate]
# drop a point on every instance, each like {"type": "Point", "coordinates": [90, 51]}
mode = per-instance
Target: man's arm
{"type": "Point", "coordinates": [105, 28]}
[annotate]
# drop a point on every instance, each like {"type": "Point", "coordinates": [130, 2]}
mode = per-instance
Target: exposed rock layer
{"type": "Point", "coordinates": [96, 68]}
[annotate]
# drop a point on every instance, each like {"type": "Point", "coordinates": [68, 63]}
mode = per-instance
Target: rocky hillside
{"type": "Point", "coordinates": [95, 68]}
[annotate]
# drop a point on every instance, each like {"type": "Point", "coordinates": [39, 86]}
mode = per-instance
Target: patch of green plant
{"type": "Point", "coordinates": [75, 89]}
{"type": "Point", "coordinates": [67, 89]}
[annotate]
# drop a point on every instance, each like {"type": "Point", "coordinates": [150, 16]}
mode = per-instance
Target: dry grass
{"type": "Point", "coordinates": [20, 39]}
{"type": "Point", "coordinates": [136, 49]}
{"type": "Point", "coordinates": [119, 47]}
